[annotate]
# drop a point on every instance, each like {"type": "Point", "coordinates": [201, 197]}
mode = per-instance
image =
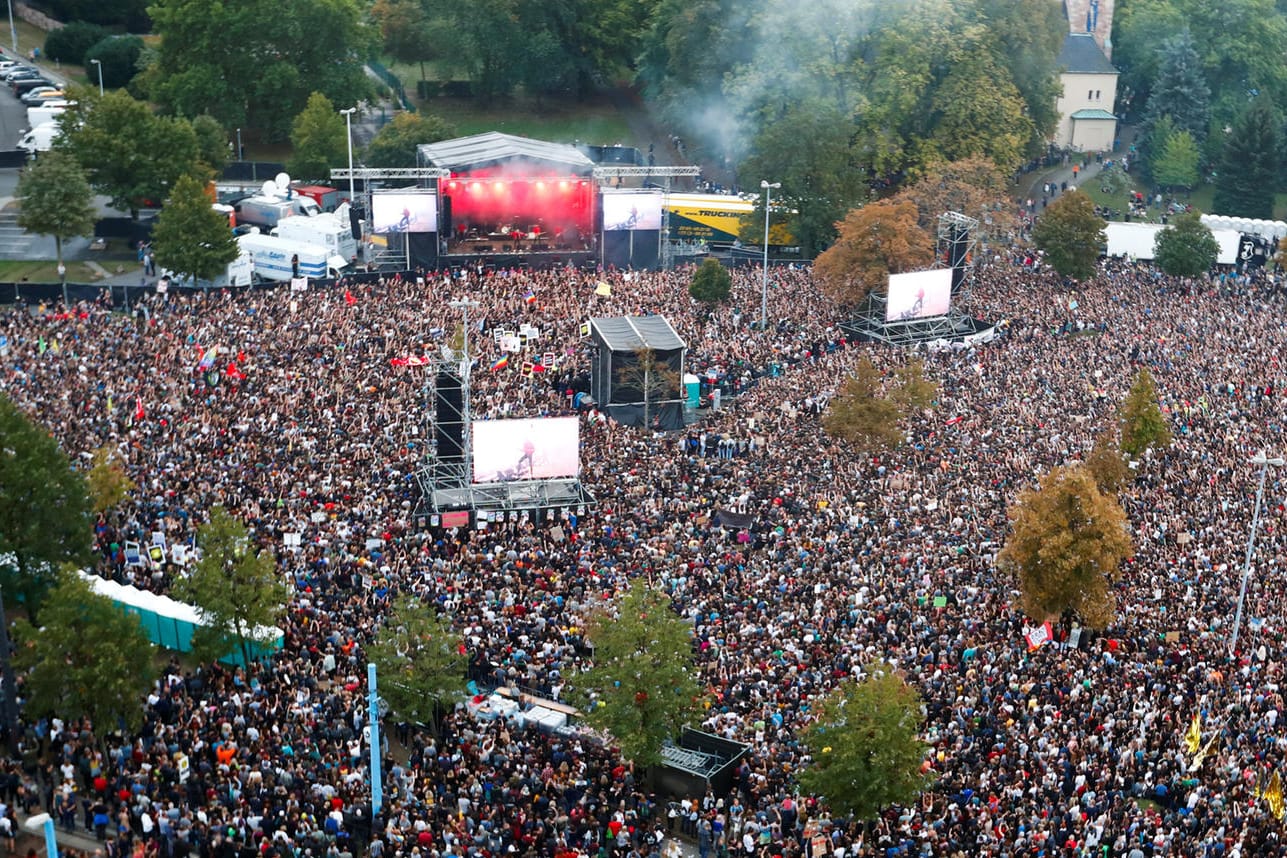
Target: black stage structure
{"type": "Point", "coordinates": [628, 391]}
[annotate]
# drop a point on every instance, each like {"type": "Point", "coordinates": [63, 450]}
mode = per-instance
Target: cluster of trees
{"type": "Point", "coordinates": [1208, 104]}
{"type": "Point", "coordinates": [844, 99]}
{"type": "Point", "coordinates": [254, 63]}
{"type": "Point", "coordinates": [77, 653]}
{"type": "Point", "coordinates": [1071, 235]}
{"type": "Point", "coordinates": [562, 47]}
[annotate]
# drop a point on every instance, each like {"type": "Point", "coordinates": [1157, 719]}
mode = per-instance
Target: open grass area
{"type": "Point", "coordinates": [32, 37]}
{"type": "Point", "coordinates": [46, 271]}
{"type": "Point", "coordinates": [1201, 198]}
{"type": "Point", "coordinates": [596, 120]}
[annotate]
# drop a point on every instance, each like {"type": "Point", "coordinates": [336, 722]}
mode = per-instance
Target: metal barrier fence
{"type": "Point", "coordinates": [393, 81]}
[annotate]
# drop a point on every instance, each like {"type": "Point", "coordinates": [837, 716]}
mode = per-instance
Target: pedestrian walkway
{"type": "Point", "coordinates": [1029, 185]}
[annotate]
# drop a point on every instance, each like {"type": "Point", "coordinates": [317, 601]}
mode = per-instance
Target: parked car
{"type": "Point", "coordinates": [46, 100]}
{"type": "Point", "coordinates": [19, 72]}
{"type": "Point", "coordinates": [48, 91]}
{"type": "Point", "coordinates": [27, 84]}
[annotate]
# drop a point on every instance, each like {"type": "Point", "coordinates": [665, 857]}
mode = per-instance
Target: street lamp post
{"type": "Point", "coordinates": [348, 126]}
{"type": "Point", "coordinates": [764, 292]}
{"type": "Point", "coordinates": [241, 156]}
{"type": "Point", "coordinates": [99, 63]}
{"type": "Point", "coordinates": [13, 31]}
{"type": "Point", "coordinates": [1264, 462]}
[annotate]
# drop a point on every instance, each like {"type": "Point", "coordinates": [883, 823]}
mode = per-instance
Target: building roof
{"type": "Point", "coordinates": [628, 333]}
{"type": "Point", "coordinates": [493, 147]}
{"type": "Point", "coordinates": [1081, 54]}
{"type": "Point", "coordinates": [1093, 113]}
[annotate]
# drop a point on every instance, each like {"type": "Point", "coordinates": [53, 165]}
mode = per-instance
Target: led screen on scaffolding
{"type": "Point", "coordinates": [403, 212]}
{"type": "Point", "coordinates": [539, 449]}
{"type": "Point", "coordinates": [631, 210]}
{"type": "Point", "coordinates": [919, 295]}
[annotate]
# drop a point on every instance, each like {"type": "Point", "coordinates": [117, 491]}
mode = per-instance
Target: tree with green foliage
{"type": "Point", "coordinates": [1179, 90]}
{"type": "Point", "coordinates": [1067, 543]}
{"type": "Point", "coordinates": [421, 662]}
{"type": "Point", "coordinates": [642, 688]}
{"type": "Point", "coordinates": [1071, 235]}
{"type": "Point", "coordinates": [809, 150]}
{"type": "Point", "coordinates": [70, 42]}
{"type": "Point", "coordinates": [252, 64]}
{"type": "Point", "coordinates": [1248, 167]}
{"type": "Point", "coordinates": [1143, 425]}
{"type": "Point", "coordinates": [44, 509]}
{"type": "Point", "coordinates": [212, 142]}
{"type": "Point", "coordinates": [711, 283]}
{"type": "Point", "coordinates": [130, 15]}
{"type": "Point", "coordinates": [319, 139]}
{"type": "Point", "coordinates": [1177, 164]}
{"type": "Point", "coordinates": [88, 658]}
{"type": "Point", "coordinates": [191, 238]}
{"type": "Point", "coordinates": [1186, 248]}
{"type": "Point", "coordinates": [877, 240]}
{"type": "Point", "coordinates": [119, 56]}
{"type": "Point", "coordinates": [1107, 464]}
{"type": "Point", "coordinates": [407, 33]}
{"type": "Point", "coordinates": [1027, 36]}
{"type": "Point", "coordinates": [395, 144]}
{"type": "Point", "coordinates": [865, 749]}
{"type": "Point", "coordinates": [868, 413]}
{"type": "Point", "coordinates": [107, 482]}
{"type": "Point", "coordinates": [128, 153]}
{"type": "Point", "coordinates": [980, 112]}
{"type": "Point", "coordinates": [56, 199]}
{"type": "Point", "coordinates": [235, 587]}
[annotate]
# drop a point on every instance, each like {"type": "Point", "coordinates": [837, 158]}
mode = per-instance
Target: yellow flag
{"type": "Point", "coordinates": [604, 289]}
{"type": "Point", "coordinates": [1193, 738]}
{"type": "Point", "coordinates": [1274, 795]}
{"type": "Point", "coordinates": [1200, 757]}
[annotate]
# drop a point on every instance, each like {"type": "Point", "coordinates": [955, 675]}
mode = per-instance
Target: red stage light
{"type": "Point", "coordinates": [451, 186]}
{"type": "Point", "coordinates": [540, 186]}
{"type": "Point", "coordinates": [563, 186]}
{"type": "Point", "coordinates": [473, 186]}
{"type": "Point", "coordinates": [500, 187]}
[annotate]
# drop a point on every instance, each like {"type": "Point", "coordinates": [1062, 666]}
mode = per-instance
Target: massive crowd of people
{"type": "Point", "coordinates": [308, 422]}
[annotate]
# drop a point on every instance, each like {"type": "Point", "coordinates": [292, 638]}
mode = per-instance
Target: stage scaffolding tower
{"type": "Point", "coordinates": [606, 173]}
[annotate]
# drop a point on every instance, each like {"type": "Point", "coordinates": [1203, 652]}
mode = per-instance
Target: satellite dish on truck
{"type": "Point", "coordinates": [269, 188]}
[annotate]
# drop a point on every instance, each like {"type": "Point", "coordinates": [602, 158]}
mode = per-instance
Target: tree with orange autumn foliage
{"type": "Point", "coordinates": [877, 240]}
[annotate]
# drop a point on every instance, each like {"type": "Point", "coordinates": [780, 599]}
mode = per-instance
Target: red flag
{"type": "Point", "coordinates": [233, 372]}
{"type": "Point", "coordinates": [348, 298]}
{"type": "Point", "coordinates": [139, 414]}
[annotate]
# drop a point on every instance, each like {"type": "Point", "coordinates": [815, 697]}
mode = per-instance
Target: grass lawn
{"type": "Point", "coordinates": [1201, 198]}
{"type": "Point", "coordinates": [46, 271]}
{"type": "Point", "coordinates": [32, 37]}
{"type": "Point", "coordinates": [596, 120]}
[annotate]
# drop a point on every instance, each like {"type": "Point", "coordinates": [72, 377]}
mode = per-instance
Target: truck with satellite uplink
{"type": "Point", "coordinates": [280, 259]}
{"type": "Point", "coordinates": [267, 212]}
{"type": "Point", "coordinates": [331, 231]}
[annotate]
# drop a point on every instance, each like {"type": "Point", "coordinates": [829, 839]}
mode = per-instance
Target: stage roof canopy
{"type": "Point", "coordinates": [494, 148]}
{"type": "Point", "coordinates": [629, 333]}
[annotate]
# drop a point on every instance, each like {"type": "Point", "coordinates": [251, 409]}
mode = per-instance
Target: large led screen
{"type": "Point", "coordinates": [398, 212]}
{"type": "Point", "coordinates": [622, 211]}
{"type": "Point", "coordinates": [539, 449]}
{"type": "Point", "coordinates": [919, 295]}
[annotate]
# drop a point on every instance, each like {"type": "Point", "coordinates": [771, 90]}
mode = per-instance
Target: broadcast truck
{"type": "Point", "coordinates": [332, 231]}
{"type": "Point", "coordinates": [281, 259]}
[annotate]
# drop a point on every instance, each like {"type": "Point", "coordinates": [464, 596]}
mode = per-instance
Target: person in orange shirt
{"type": "Point", "coordinates": [225, 752]}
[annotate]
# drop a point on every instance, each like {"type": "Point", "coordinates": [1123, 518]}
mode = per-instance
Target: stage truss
{"type": "Point", "coordinates": [958, 235]}
{"type": "Point", "coordinates": [606, 173]}
{"type": "Point", "coordinates": [449, 486]}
